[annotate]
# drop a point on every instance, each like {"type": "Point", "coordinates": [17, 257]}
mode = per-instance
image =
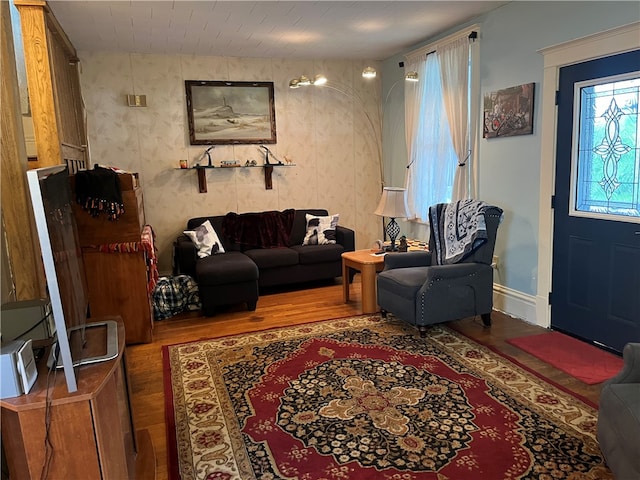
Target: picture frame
{"type": "Point", "coordinates": [225, 112]}
{"type": "Point", "coordinates": [509, 112]}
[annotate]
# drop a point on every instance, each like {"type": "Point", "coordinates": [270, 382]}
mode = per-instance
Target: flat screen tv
{"type": "Point", "coordinates": [64, 269]}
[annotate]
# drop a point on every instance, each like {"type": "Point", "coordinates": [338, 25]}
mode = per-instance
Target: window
{"type": "Point", "coordinates": [607, 180]}
{"type": "Point", "coordinates": [439, 124]}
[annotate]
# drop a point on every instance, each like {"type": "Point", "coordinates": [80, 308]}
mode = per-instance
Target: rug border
{"type": "Point", "coordinates": [514, 360]}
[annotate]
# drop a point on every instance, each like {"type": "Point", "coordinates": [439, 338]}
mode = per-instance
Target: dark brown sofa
{"type": "Point", "coordinates": [251, 262]}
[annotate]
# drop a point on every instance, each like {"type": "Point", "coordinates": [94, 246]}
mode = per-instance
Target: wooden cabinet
{"type": "Point", "coordinates": [116, 263]}
{"type": "Point", "coordinates": [91, 431]}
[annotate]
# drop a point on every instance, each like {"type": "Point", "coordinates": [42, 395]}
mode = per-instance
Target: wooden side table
{"type": "Point", "coordinates": [368, 265]}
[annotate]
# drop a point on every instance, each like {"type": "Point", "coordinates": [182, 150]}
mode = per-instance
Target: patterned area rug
{"type": "Point", "coordinates": [367, 398]}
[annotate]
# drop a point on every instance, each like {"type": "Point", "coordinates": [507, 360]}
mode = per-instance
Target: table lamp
{"type": "Point", "coordinates": [393, 204]}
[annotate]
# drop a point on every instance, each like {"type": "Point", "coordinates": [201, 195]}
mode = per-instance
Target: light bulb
{"type": "Point", "coordinates": [319, 80]}
{"type": "Point", "coordinates": [369, 72]}
{"type": "Point", "coordinates": [304, 81]}
{"type": "Point", "coordinates": [411, 76]}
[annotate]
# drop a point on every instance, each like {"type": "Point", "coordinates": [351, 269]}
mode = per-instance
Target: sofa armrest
{"type": "Point", "coordinates": [346, 237]}
{"type": "Point", "coordinates": [407, 260]}
{"type": "Point", "coordinates": [185, 256]}
{"type": "Point", "coordinates": [630, 372]}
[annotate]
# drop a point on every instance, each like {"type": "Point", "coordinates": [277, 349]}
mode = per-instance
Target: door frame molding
{"type": "Point", "coordinates": [610, 42]}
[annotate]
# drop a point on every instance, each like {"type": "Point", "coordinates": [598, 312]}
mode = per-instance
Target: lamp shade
{"type": "Point", "coordinates": [393, 203]}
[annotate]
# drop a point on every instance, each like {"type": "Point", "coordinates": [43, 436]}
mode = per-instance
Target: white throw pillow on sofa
{"type": "Point", "coordinates": [321, 230]}
{"type": "Point", "coordinates": [206, 239]}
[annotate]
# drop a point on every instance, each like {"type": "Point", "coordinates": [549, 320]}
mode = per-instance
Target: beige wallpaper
{"type": "Point", "coordinates": [325, 132]}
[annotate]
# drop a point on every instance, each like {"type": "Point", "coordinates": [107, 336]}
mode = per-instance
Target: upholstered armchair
{"type": "Point", "coordinates": [619, 417]}
{"type": "Point", "coordinates": [454, 279]}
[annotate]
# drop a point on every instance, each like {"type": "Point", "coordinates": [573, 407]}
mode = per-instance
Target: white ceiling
{"type": "Point", "coordinates": [372, 30]}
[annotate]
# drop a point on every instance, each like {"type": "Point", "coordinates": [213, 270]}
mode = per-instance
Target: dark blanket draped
{"type": "Point", "coordinates": [269, 229]}
{"type": "Point", "coordinates": [98, 191]}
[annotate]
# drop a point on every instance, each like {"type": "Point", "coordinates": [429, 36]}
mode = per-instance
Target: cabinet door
{"type": "Point", "coordinates": [117, 285]}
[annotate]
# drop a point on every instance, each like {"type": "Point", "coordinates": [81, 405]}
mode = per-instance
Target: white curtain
{"type": "Point", "coordinates": [432, 161]}
{"type": "Point", "coordinates": [454, 71]}
{"type": "Point", "coordinates": [413, 98]}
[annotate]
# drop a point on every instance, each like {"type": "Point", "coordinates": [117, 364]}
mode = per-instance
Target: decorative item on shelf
{"type": "Point", "coordinates": [229, 163]}
{"type": "Point", "coordinates": [206, 152]}
{"type": "Point", "coordinates": [183, 164]}
{"type": "Point", "coordinates": [266, 156]}
{"type": "Point", "coordinates": [250, 163]}
{"type": "Point", "coordinates": [393, 204]}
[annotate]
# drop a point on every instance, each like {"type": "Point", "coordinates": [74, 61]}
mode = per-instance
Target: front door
{"type": "Point", "coordinates": [596, 239]}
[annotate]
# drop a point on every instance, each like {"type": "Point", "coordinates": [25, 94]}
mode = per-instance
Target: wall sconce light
{"type": "Point", "coordinates": [411, 76]}
{"type": "Point", "coordinates": [369, 72]}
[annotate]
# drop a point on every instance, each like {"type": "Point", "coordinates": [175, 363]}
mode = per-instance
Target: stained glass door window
{"type": "Point", "coordinates": [606, 166]}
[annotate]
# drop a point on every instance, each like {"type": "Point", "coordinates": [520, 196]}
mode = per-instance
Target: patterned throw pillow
{"type": "Point", "coordinates": [321, 230]}
{"type": "Point", "coordinates": [206, 240]}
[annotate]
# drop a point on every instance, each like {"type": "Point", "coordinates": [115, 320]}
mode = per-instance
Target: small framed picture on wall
{"type": "Point", "coordinates": [509, 112]}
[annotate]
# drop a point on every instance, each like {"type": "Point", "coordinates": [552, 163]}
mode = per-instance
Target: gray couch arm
{"type": "Point", "coordinates": [406, 260]}
{"type": "Point", "coordinates": [630, 372]}
{"type": "Point", "coordinates": [346, 237]}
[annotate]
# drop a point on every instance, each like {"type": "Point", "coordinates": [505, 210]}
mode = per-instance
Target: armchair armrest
{"type": "Point", "coordinates": [185, 256]}
{"type": "Point", "coordinates": [630, 372]}
{"type": "Point", "coordinates": [346, 237]}
{"type": "Point", "coordinates": [450, 272]}
{"type": "Point", "coordinates": [406, 260]}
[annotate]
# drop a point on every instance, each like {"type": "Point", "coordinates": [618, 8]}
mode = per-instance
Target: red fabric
{"type": "Point", "coordinates": [585, 362]}
{"type": "Point", "coordinates": [146, 243]}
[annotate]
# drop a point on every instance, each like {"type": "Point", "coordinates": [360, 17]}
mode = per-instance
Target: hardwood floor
{"type": "Point", "coordinates": [279, 309]}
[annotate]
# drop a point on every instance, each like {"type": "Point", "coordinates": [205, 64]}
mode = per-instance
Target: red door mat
{"type": "Point", "coordinates": [577, 358]}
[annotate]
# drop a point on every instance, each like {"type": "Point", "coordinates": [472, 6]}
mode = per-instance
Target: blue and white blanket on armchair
{"type": "Point", "coordinates": [458, 228]}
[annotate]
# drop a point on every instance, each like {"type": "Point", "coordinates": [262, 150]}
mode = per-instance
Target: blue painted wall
{"type": "Point", "coordinates": [508, 168]}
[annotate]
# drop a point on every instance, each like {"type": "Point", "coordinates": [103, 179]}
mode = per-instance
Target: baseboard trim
{"type": "Point", "coordinates": [514, 303]}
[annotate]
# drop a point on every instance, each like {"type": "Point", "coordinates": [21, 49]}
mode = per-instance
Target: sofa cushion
{"type": "Point", "coordinates": [310, 254]}
{"type": "Point", "coordinates": [232, 267]}
{"type": "Point", "coordinates": [272, 257]}
{"type": "Point", "coordinates": [321, 230]}
{"type": "Point", "coordinates": [403, 282]}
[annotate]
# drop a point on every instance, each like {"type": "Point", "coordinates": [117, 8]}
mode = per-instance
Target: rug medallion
{"type": "Point", "coordinates": [367, 398]}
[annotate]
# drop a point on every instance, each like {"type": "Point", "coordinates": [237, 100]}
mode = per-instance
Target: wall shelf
{"type": "Point", "coordinates": [202, 174]}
